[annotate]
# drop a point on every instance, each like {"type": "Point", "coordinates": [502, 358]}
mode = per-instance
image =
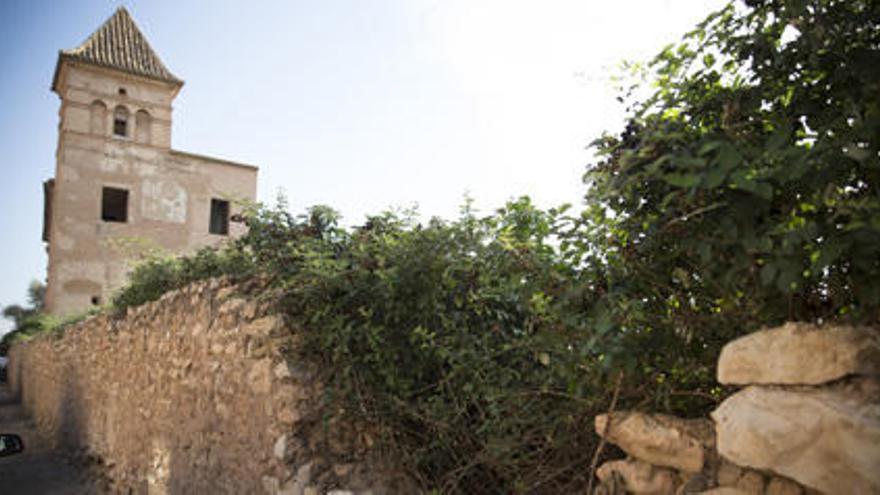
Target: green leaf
{"type": "Point", "coordinates": [714, 177]}
{"type": "Point", "coordinates": [761, 189]}
{"type": "Point", "coordinates": [681, 180]}
{"type": "Point", "coordinates": [768, 274]}
{"type": "Point", "coordinates": [729, 157]}
{"type": "Point", "coordinates": [708, 60]}
{"type": "Point", "coordinates": [789, 277]}
{"type": "Point", "coordinates": [710, 146]}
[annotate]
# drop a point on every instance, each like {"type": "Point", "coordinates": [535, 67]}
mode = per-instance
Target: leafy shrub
{"type": "Point", "coordinates": [159, 274]}
{"type": "Point", "coordinates": [40, 324]}
{"type": "Point", "coordinates": [744, 191]}
{"type": "Point", "coordinates": [449, 337]}
{"type": "Point", "coordinates": [446, 336]}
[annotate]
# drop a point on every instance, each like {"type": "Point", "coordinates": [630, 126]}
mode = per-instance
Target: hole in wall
{"type": "Point", "coordinates": [114, 205]}
{"type": "Point", "coordinates": [219, 223]}
{"type": "Point", "coordinates": [120, 121]}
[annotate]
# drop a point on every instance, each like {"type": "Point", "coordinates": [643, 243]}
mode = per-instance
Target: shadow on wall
{"type": "Point", "coordinates": [13, 369]}
{"type": "Point", "coordinates": [71, 428]}
{"type": "Point", "coordinates": [193, 393]}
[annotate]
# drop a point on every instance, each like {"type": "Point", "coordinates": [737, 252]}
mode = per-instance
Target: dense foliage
{"type": "Point", "coordinates": [743, 192]}
{"type": "Point", "coordinates": [445, 335]}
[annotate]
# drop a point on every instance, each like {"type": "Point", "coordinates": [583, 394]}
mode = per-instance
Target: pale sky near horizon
{"type": "Point", "coordinates": [361, 105]}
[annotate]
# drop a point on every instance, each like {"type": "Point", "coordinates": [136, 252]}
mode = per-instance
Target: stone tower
{"type": "Point", "coordinates": [119, 188]}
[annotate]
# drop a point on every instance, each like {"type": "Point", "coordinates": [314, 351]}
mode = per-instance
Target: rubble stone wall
{"type": "Point", "coordinates": [198, 392]}
{"type": "Point", "coordinates": [807, 422]}
{"type": "Point", "coordinates": [188, 394]}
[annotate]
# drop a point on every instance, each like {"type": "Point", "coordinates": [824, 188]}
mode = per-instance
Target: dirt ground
{"type": "Point", "coordinates": [38, 470]}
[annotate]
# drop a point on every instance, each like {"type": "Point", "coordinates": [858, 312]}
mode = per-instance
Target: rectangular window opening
{"type": "Point", "coordinates": [219, 217]}
{"type": "Point", "coordinates": [114, 205]}
{"type": "Point", "coordinates": [119, 127]}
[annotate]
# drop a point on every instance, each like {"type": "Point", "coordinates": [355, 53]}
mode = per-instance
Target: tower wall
{"type": "Point", "coordinates": [169, 193]}
{"type": "Point", "coordinates": [82, 85]}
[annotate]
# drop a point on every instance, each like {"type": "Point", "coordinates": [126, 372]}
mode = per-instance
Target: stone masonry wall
{"type": "Point", "coordinates": [807, 422]}
{"type": "Point", "coordinates": [201, 392]}
{"type": "Point", "coordinates": [188, 394]}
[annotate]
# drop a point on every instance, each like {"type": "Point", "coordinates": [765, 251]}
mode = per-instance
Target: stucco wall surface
{"type": "Point", "coordinates": [188, 394]}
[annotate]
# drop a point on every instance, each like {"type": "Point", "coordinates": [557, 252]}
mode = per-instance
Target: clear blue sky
{"type": "Point", "coordinates": [362, 105]}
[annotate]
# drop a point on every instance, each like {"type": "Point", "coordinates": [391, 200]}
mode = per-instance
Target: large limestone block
{"type": "Point", "coordinates": [657, 439]}
{"type": "Point", "coordinates": [800, 354]}
{"type": "Point", "coordinates": [639, 477]}
{"type": "Point", "coordinates": [827, 439]}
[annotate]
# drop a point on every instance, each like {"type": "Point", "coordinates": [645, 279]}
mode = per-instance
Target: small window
{"type": "Point", "coordinates": [219, 217]}
{"type": "Point", "coordinates": [120, 122]}
{"type": "Point", "coordinates": [122, 91]}
{"type": "Point", "coordinates": [114, 205]}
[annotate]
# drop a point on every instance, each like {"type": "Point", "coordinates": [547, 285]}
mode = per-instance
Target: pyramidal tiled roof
{"type": "Point", "coordinates": [119, 44]}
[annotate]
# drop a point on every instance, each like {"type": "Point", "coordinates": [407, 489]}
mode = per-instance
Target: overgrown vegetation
{"type": "Point", "coordinates": [452, 337]}
{"type": "Point", "coordinates": [27, 320]}
{"type": "Point", "coordinates": [744, 190]}
{"type": "Point", "coordinates": [742, 193]}
{"type": "Point", "coordinates": [32, 320]}
{"type": "Point", "coordinates": [160, 272]}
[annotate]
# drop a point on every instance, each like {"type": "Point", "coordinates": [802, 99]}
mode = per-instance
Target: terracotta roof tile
{"type": "Point", "coordinates": [119, 44]}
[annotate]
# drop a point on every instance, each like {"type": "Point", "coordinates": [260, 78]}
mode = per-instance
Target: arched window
{"type": "Point", "coordinates": [142, 126]}
{"type": "Point", "coordinates": [98, 121]}
{"type": "Point", "coordinates": [120, 121]}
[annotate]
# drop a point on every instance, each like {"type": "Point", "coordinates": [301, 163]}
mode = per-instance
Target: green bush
{"type": "Point", "coordinates": [39, 324]}
{"type": "Point", "coordinates": [449, 337]}
{"type": "Point", "coordinates": [446, 335]}
{"type": "Point", "coordinates": [157, 274]}
{"type": "Point", "coordinates": [744, 191]}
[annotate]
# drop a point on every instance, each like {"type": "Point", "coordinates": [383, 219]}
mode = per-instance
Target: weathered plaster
{"type": "Point", "coordinates": [169, 192]}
